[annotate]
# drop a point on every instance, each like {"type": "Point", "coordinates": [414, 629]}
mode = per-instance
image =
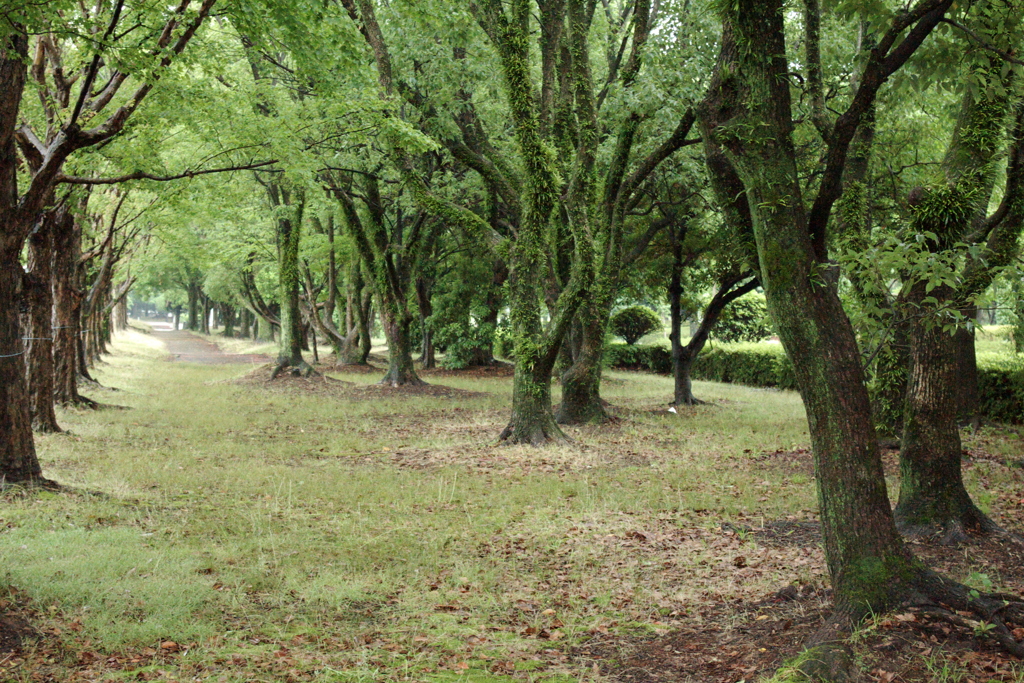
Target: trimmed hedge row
{"type": "Point", "coordinates": [757, 365]}
{"type": "Point", "coordinates": [1000, 378]}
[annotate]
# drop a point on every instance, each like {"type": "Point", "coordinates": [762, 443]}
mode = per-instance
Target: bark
{"type": "Point", "coordinates": [581, 382]}
{"type": "Point", "coordinates": [193, 321]}
{"type": "Point", "coordinates": [426, 309]}
{"type": "Point", "coordinates": [288, 236]}
{"type": "Point", "coordinates": [18, 461]}
{"type": "Point", "coordinates": [943, 370]}
{"type": "Point", "coordinates": [401, 371]}
{"type": "Point", "coordinates": [245, 323]}
{"type": "Point", "coordinates": [68, 297]}
{"type": "Point", "coordinates": [933, 500]}
{"type": "Point", "coordinates": [39, 327]}
{"type": "Point", "coordinates": [227, 312]}
{"type": "Point", "coordinates": [871, 568]}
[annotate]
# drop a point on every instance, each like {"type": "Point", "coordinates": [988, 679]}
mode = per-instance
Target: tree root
{"type": "Point", "coordinates": [536, 437]}
{"type": "Point", "coordinates": [957, 530]}
{"type": "Point", "coordinates": [691, 401]}
{"type": "Point", "coordinates": [39, 483]}
{"type": "Point", "coordinates": [413, 381]}
{"type": "Point", "coordinates": [302, 369]}
{"type": "Point", "coordinates": [828, 658]}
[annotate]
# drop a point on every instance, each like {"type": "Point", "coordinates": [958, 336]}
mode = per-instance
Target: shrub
{"type": "Point", "coordinates": [744, 320]}
{"type": "Point", "coordinates": [631, 357]}
{"type": "Point", "coordinates": [634, 322]}
{"type": "Point", "coordinates": [1000, 377]}
{"type": "Point", "coordinates": [461, 341]}
{"type": "Point", "coordinates": [1001, 388]}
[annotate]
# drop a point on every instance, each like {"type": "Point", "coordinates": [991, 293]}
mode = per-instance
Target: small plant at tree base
{"type": "Point", "coordinates": [634, 322]}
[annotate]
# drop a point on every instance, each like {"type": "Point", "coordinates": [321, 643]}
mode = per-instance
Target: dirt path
{"type": "Point", "coordinates": [186, 347]}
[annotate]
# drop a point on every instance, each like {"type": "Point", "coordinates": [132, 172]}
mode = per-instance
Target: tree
{"type": "Point", "coordinates": [949, 212]}
{"type": "Point", "coordinates": [44, 155]}
{"type": "Point", "coordinates": [748, 114]}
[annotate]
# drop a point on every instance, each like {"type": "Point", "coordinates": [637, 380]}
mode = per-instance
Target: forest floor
{"type": "Point", "coordinates": [227, 528]}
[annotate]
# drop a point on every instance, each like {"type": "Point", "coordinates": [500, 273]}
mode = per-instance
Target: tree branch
{"type": "Point", "coordinates": [142, 175]}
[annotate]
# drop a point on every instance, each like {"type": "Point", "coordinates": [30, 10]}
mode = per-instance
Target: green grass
{"type": "Point", "coordinates": [378, 538]}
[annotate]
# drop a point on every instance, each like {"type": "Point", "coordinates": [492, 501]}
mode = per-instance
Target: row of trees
{"type": "Point", "coordinates": [439, 162]}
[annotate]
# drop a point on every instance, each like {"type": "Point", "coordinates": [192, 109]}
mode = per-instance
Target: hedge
{"type": "Point", "coordinates": [757, 365]}
{"type": "Point", "coordinates": [1000, 377]}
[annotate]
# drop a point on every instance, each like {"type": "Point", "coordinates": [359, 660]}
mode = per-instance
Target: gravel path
{"type": "Point", "coordinates": [186, 347]}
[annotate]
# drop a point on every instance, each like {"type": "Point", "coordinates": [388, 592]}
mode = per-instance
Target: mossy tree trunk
{"type": "Point", "coordinates": [748, 112]}
{"type": "Point", "coordinates": [942, 376]}
{"type": "Point", "coordinates": [289, 231]}
{"type": "Point", "coordinates": [392, 257]}
{"type": "Point", "coordinates": [933, 499]}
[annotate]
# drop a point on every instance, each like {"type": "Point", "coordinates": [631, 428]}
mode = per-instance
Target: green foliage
{"type": "Point", "coordinates": [461, 340]}
{"type": "Point", "coordinates": [503, 344]}
{"type": "Point", "coordinates": [757, 365]}
{"type": "Point", "coordinates": [1001, 389]}
{"type": "Point", "coordinates": [1000, 378]}
{"type": "Point", "coordinates": [744, 320]}
{"type": "Point", "coordinates": [639, 357]}
{"type": "Point", "coordinates": [634, 322]}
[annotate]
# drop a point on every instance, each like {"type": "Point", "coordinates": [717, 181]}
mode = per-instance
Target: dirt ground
{"type": "Point", "coordinates": [186, 347]}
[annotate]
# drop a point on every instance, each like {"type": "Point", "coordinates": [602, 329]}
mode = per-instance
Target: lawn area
{"type": "Point", "coordinates": [228, 529]}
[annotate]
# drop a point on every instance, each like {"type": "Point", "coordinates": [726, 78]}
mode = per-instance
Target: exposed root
{"type": "Point", "coordinates": [407, 381]}
{"type": "Point", "coordinates": [537, 436]}
{"type": "Point", "coordinates": [957, 530]}
{"type": "Point", "coordinates": [828, 658]}
{"type": "Point", "coordinates": [689, 401]}
{"type": "Point", "coordinates": [301, 369]}
{"type": "Point", "coordinates": [39, 483]}
{"type": "Point", "coordinates": [80, 402]}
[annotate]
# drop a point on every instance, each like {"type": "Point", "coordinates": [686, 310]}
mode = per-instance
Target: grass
{"type": "Point", "coordinates": [269, 535]}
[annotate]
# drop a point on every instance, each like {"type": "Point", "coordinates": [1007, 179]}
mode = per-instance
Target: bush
{"type": "Point", "coordinates": [757, 365]}
{"type": "Point", "coordinates": [461, 341]}
{"type": "Point", "coordinates": [744, 320]}
{"type": "Point", "coordinates": [1001, 388]}
{"type": "Point", "coordinates": [653, 358]}
{"type": "Point", "coordinates": [634, 322]}
{"type": "Point", "coordinates": [1000, 377]}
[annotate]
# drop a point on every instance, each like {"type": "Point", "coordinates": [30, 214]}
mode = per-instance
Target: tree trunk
{"type": "Point", "coordinates": [67, 310]}
{"type": "Point", "coordinates": [18, 461]}
{"type": "Point", "coordinates": [245, 322]}
{"type": "Point", "coordinates": [288, 236]}
{"type": "Point", "coordinates": [933, 500]}
{"type": "Point", "coordinates": [426, 309]}
{"type": "Point", "coordinates": [867, 560]}
{"type": "Point", "coordinates": [966, 360]}
{"type": "Point", "coordinates": [401, 371]}
{"type": "Point", "coordinates": [581, 383]}
{"type": "Point", "coordinates": [532, 421]}
{"type": "Point", "coordinates": [228, 315]}
{"type": "Point", "coordinates": [192, 322]}
{"type": "Point", "coordinates": [39, 327]}
{"type": "Point", "coordinates": [683, 356]}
